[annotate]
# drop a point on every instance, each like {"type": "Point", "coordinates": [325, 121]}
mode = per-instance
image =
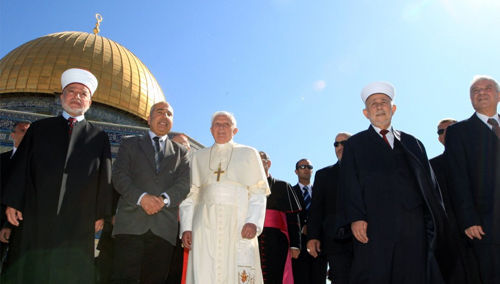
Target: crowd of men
{"type": "Point", "coordinates": [383, 213]}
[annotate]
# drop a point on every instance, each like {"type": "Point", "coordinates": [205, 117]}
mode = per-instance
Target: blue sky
{"type": "Point", "coordinates": [291, 71]}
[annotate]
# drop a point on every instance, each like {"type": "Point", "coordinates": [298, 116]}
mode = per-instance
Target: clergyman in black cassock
{"type": "Point", "coordinates": [281, 230]}
{"type": "Point", "coordinates": [59, 192]}
{"type": "Point", "coordinates": [473, 155]}
{"type": "Point", "coordinates": [391, 200]}
{"type": "Point", "coordinates": [324, 235]}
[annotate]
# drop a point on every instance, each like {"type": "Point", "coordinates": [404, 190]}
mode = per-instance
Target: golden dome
{"type": "Point", "coordinates": [124, 81]}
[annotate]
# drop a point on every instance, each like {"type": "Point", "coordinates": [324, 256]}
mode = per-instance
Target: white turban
{"type": "Point", "coordinates": [377, 88]}
{"type": "Point", "coordinates": [76, 75]}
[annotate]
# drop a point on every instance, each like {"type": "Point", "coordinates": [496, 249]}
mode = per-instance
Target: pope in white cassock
{"type": "Point", "coordinates": [225, 209]}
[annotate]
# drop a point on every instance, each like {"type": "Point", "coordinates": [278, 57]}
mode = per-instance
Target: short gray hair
{"type": "Point", "coordinates": [478, 78]}
{"type": "Point", "coordinates": [226, 114]}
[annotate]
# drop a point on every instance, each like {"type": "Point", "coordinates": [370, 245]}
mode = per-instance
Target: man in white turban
{"type": "Point", "coordinates": [59, 191]}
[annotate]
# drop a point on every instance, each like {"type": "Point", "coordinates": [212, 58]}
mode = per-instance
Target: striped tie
{"type": "Point", "coordinates": [158, 153]}
{"type": "Point", "coordinates": [307, 197]}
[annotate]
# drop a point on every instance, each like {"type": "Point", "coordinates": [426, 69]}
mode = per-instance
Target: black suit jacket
{"type": "Point", "coordinates": [5, 168]}
{"type": "Point", "coordinates": [302, 215]}
{"type": "Point", "coordinates": [473, 155]}
{"type": "Point", "coordinates": [322, 214]}
{"type": "Point", "coordinates": [45, 157]}
{"type": "Point", "coordinates": [5, 159]}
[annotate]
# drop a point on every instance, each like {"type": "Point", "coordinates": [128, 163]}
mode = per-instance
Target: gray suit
{"type": "Point", "coordinates": [134, 173]}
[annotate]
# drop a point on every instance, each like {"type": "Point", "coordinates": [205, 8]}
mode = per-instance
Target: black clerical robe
{"type": "Point", "coordinates": [273, 243]}
{"type": "Point", "coordinates": [395, 192]}
{"type": "Point", "coordinates": [55, 240]}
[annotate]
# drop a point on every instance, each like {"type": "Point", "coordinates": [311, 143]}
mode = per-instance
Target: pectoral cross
{"type": "Point", "coordinates": [219, 172]}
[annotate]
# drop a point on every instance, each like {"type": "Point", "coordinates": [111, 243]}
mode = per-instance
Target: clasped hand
{"type": "Point", "coordinates": [152, 204]}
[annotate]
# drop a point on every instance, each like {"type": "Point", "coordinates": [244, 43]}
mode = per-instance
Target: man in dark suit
{"type": "Point", "coordinates": [59, 191]}
{"type": "Point", "coordinates": [306, 269]}
{"type": "Point", "coordinates": [16, 135]}
{"type": "Point", "coordinates": [473, 155]}
{"type": "Point", "coordinates": [391, 199]}
{"type": "Point", "coordinates": [151, 173]}
{"type": "Point", "coordinates": [280, 233]}
{"type": "Point", "coordinates": [466, 266]}
{"type": "Point", "coordinates": [323, 238]}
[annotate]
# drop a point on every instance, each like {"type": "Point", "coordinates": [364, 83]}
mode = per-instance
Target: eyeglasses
{"type": "Point", "coordinates": [303, 167]}
{"type": "Point", "coordinates": [440, 131]}
{"type": "Point", "coordinates": [338, 143]}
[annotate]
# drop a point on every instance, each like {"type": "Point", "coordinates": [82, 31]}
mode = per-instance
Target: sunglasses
{"type": "Point", "coordinates": [440, 131]}
{"type": "Point", "coordinates": [303, 167]}
{"type": "Point", "coordinates": [338, 143]}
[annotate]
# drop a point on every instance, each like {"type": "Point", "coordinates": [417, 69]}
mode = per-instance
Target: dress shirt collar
{"type": "Point", "coordinates": [14, 149]}
{"type": "Point", "coordinates": [78, 118]}
{"type": "Point", "coordinates": [309, 188]}
{"type": "Point", "coordinates": [162, 139]}
{"type": "Point", "coordinates": [484, 118]}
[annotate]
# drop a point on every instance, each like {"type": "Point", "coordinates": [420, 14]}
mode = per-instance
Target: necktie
{"type": "Point", "coordinates": [493, 122]}
{"type": "Point", "coordinates": [158, 153]}
{"type": "Point", "coordinates": [307, 197]}
{"type": "Point", "coordinates": [71, 124]}
{"type": "Point", "coordinates": [384, 132]}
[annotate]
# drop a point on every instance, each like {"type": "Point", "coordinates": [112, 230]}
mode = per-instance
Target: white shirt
{"type": "Point", "coordinates": [14, 149]}
{"type": "Point", "coordinates": [78, 118]}
{"type": "Point", "coordinates": [161, 140]}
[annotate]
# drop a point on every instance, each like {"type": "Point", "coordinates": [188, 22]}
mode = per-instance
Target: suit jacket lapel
{"type": "Point", "coordinates": [378, 140]}
{"type": "Point", "coordinates": [481, 127]}
{"type": "Point", "coordinates": [168, 154]}
{"type": "Point", "coordinates": [147, 147]}
{"type": "Point", "coordinates": [413, 157]}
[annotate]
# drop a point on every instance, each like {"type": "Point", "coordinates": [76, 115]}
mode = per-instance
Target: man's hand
{"type": "Point", "coordinates": [313, 247]}
{"type": "Point", "coordinates": [99, 224]}
{"type": "Point", "coordinates": [187, 238]}
{"type": "Point", "coordinates": [5, 235]}
{"type": "Point", "coordinates": [151, 204]}
{"type": "Point", "coordinates": [13, 215]}
{"type": "Point", "coordinates": [475, 231]}
{"type": "Point", "coordinates": [249, 231]}
{"type": "Point", "coordinates": [295, 252]}
{"type": "Point", "coordinates": [358, 229]}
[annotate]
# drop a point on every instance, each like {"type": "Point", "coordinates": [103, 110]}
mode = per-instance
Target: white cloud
{"type": "Point", "coordinates": [319, 85]}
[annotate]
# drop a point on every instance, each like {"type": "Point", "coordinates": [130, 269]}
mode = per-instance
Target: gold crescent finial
{"type": "Point", "coordinates": [98, 17]}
